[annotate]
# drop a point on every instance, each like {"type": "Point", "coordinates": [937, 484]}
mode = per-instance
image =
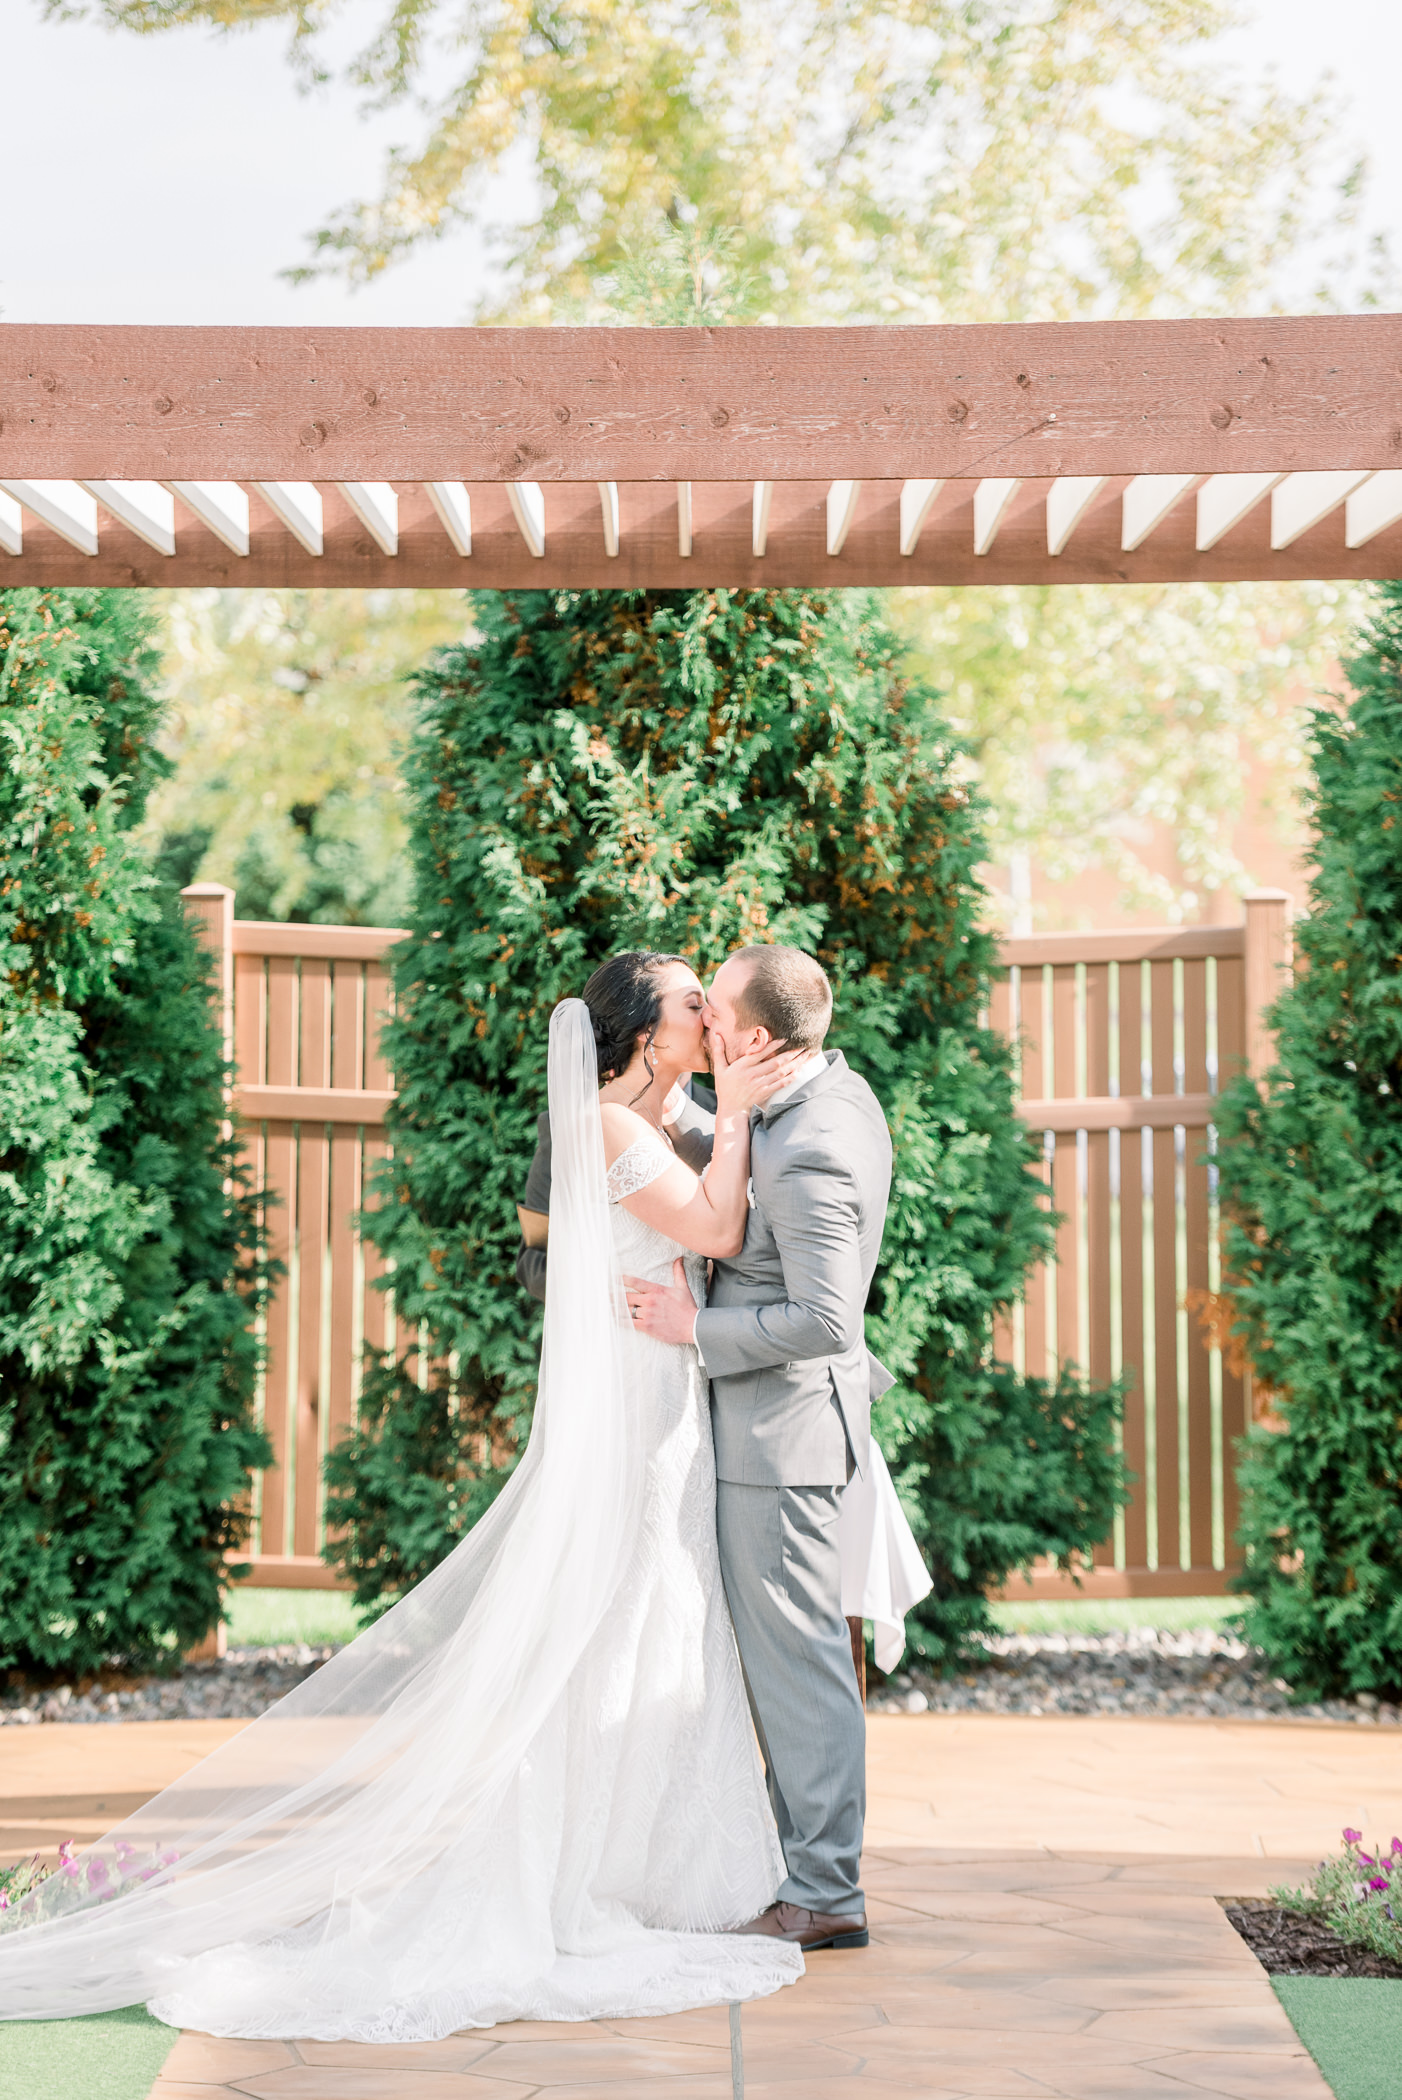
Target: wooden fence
{"type": "Point", "coordinates": [302, 1007]}
{"type": "Point", "coordinates": [1123, 1039]}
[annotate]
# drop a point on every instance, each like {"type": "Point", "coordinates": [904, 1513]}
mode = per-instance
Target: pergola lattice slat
{"type": "Point", "coordinates": [504, 457]}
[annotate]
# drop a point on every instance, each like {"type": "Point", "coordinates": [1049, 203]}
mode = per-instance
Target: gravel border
{"type": "Point", "coordinates": [1202, 1674]}
{"type": "Point", "coordinates": [244, 1683]}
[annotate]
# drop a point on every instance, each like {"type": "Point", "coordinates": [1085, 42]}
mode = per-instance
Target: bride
{"type": "Point", "coordinates": [532, 1789]}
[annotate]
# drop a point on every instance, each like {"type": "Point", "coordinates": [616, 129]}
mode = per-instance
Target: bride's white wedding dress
{"type": "Point", "coordinates": [530, 1791]}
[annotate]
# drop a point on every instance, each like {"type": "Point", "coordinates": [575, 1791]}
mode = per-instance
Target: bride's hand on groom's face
{"type": "Point", "coordinates": [665, 1311]}
{"type": "Point", "coordinates": [747, 1081]}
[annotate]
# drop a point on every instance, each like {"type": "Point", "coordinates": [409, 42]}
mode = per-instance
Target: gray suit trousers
{"type": "Point", "coordinates": [779, 1561]}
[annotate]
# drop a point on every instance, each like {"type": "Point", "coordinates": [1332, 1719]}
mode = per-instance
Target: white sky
{"type": "Point", "coordinates": [169, 178]}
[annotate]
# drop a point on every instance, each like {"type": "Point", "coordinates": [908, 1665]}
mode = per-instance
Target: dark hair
{"type": "Point", "coordinates": [786, 992]}
{"type": "Point", "coordinates": [625, 1001]}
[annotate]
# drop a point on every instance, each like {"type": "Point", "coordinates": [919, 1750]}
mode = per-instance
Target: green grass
{"type": "Point", "coordinates": [105, 2056]}
{"type": "Point", "coordinates": [1115, 1614]}
{"type": "Point", "coordinates": [267, 1618]}
{"type": "Point", "coordinates": [1352, 2027]}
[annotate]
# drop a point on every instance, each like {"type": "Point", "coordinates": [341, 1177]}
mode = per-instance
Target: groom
{"type": "Point", "coordinates": [781, 1337]}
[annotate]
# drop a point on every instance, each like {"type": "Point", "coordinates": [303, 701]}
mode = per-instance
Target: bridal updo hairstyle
{"type": "Point", "coordinates": [624, 999]}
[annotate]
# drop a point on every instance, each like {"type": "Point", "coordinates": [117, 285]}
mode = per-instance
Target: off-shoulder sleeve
{"type": "Point", "coordinates": [645, 1159]}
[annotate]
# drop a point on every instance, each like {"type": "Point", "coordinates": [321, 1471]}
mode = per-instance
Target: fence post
{"type": "Point", "coordinates": [1267, 963]}
{"type": "Point", "coordinates": [209, 907]}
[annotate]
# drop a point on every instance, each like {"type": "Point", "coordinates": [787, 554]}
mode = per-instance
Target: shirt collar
{"type": "Point", "coordinates": [816, 1063]}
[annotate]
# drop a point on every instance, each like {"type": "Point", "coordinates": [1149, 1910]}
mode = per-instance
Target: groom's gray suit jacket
{"type": "Point", "coordinates": [782, 1334]}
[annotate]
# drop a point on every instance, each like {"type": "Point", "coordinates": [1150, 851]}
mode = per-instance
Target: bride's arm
{"type": "Point", "coordinates": [706, 1216]}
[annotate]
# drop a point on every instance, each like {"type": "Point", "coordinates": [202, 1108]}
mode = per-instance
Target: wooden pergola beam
{"type": "Point", "coordinates": [649, 556]}
{"type": "Point", "coordinates": [1104, 452]}
{"type": "Point", "coordinates": [1271, 395]}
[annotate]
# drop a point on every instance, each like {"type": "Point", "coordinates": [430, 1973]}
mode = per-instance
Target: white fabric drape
{"type": "Point", "coordinates": [883, 1575]}
{"type": "Point", "coordinates": [378, 1856]}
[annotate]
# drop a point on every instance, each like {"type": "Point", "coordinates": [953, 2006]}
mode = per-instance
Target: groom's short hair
{"type": "Point", "coordinates": [786, 992]}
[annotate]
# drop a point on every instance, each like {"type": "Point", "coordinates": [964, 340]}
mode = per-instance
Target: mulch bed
{"type": "Point", "coordinates": [1286, 1944]}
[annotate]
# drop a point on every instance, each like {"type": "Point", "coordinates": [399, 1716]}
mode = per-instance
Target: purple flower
{"type": "Point", "coordinates": [1367, 1859]}
{"type": "Point", "coordinates": [1353, 1837]}
{"type": "Point", "coordinates": [1379, 1881]}
{"type": "Point", "coordinates": [97, 1873]}
{"type": "Point", "coordinates": [1397, 1845]}
{"type": "Point", "coordinates": [125, 1851]}
{"type": "Point", "coordinates": [67, 1849]}
{"type": "Point", "coordinates": [4, 1900]}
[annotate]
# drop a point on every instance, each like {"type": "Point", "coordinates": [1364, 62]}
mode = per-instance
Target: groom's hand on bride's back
{"type": "Point", "coordinates": [666, 1311]}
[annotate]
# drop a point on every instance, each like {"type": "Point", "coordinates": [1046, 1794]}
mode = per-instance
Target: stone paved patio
{"type": "Point", "coordinates": [1042, 1909]}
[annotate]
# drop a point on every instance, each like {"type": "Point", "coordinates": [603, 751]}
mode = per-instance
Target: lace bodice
{"type": "Point", "coordinates": [643, 1250]}
{"type": "Point", "coordinates": [643, 1161]}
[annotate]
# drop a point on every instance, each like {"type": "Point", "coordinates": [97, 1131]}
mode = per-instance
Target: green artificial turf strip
{"type": "Point", "coordinates": [103, 2056]}
{"type": "Point", "coordinates": [1352, 2027]}
{"type": "Point", "coordinates": [1089, 1615]}
{"type": "Point", "coordinates": [270, 1618]}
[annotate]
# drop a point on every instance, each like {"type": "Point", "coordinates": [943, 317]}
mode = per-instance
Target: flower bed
{"type": "Point", "coordinates": [1348, 1922]}
{"type": "Point", "coordinates": [1289, 1944]}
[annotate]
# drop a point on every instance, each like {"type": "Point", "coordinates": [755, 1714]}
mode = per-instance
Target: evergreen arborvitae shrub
{"type": "Point", "coordinates": [1312, 1172]}
{"type": "Point", "coordinates": [127, 1356]}
{"type": "Point", "coordinates": [693, 771]}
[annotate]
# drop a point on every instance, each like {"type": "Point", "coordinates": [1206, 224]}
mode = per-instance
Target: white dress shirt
{"type": "Point", "coordinates": [809, 1070]}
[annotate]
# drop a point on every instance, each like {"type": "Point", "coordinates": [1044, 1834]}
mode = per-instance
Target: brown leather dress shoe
{"type": "Point", "coordinates": [809, 1929]}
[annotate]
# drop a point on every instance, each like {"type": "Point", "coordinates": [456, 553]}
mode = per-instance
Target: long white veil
{"type": "Point", "coordinates": [330, 1825]}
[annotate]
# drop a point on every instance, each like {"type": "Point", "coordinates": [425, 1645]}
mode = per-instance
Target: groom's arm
{"type": "Point", "coordinates": [812, 1210]}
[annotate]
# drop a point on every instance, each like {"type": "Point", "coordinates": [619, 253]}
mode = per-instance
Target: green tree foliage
{"type": "Point", "coordinates": [915, 159]}
{"type": "Point", "coordinates": [1095, 716]}
{"type": "Point", "coordinates": [1101, 718]}
{"type": "Point", "coordinates": [283, 718]}
{"type": "Point", "coordinates": [1313, 1172]}
{"type": "Point", "coordinates": [127, 1361]}
{"type": "Point", "coordinates": [693, 771]}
